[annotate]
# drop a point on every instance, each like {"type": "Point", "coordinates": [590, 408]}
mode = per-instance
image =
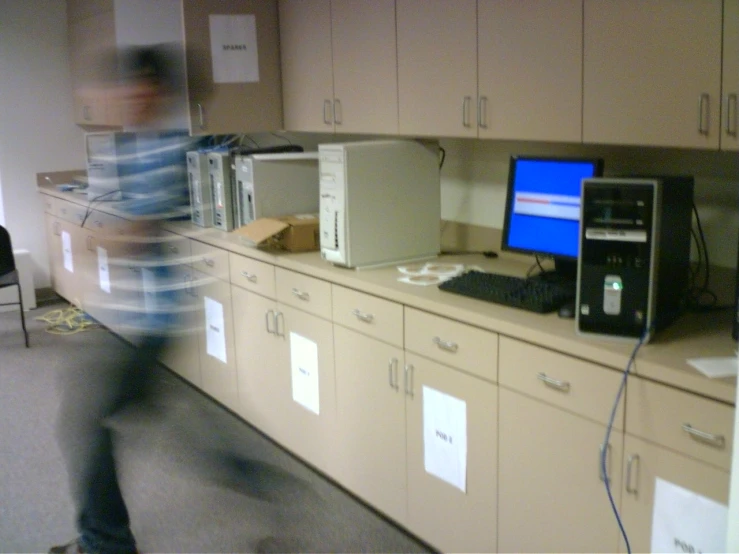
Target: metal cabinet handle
{"type": "Point", "coordinates": [408, 380]}
{"type": "Point", "coordinates": [601, 474]}
{"type": "Point", "coordinates": [362, 316]}
{"type": "Point", "coordinates": [466, 111]}
{"type": "Point", "coordinates": [251, 277]}
{"type": "Point", "coordinates": [447, 345]}
{"type": "Point", "coordinates": [338, 116]}
{"type": "Point", "coordinates": [279, 316]}
{"type": "Point", "coordinates": [267, 319]}
{"type": "Point", "coordinates": [201, 116]}
{"type": "Point", "coordinates": [731, 119]}
{"type": "Point", "coordinates": [209, 262]}
{"type": "Point", "coordinates": [482, 112]}
{"type": "Point", "coordinates": [327, 112]}
{"type": "Point", "coordinates": [88, 240]}
{"type": "Point", "coordinates": [714, 440]}
{"type": "Point", "coordinates": [629, 464]}
{"type": "Point", "coordinates": [563, 386]}
{"type": "Point", "coordinates": [703, 113]}
{"type": "Point", "coordinates": [392, 371]}
{"type": "Point", "coordinates": [173, 249]}
{"type": "Point", "coordinates": [301, 294]}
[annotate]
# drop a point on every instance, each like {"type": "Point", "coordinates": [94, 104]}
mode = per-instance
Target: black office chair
{"type": "Point", "coordinates": [9, 275]}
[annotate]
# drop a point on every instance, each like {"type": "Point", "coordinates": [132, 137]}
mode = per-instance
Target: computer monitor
{"type": "Point", "coordinates": [542, 215]}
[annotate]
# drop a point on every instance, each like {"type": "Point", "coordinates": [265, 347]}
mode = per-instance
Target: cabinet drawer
{"type": "Point", "coordinates": [210, 260]}
{"type": "Point", "coordinates": [575, 385]}
{"type": "Point", "coordinates": [696, 426]}
{"type": "Point", "coordinates": [252, 275]}
{"type": "Point", "coordinates": [49, 204]}
{"type": "Point", "coordinates": [372, 316]}
{"type": "Point", "coordinates": [74, 213]}
{"type": "Point", "coordinates": [305, 293]}
{"type": "Point", "coordinates": [106, 223]}
{"type": "Point", "coordinates": [176, 248]}
{"type": "Point", "coordinates": [452, 343]}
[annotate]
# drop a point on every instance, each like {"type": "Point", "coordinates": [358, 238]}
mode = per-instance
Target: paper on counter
{"type": "Point", "coordinates": [684, 521]}
{"type": "Point", "coordinates": [716, 367]}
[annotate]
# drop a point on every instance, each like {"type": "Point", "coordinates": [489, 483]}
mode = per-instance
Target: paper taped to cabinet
{"type": "Point", "coordinates": [684, 521]}
{"type": "Point", "coordinates": [233, 44]}
{"type": "Point", "coordinates": [215, 336]}
{"type": "Point", "coordinates": [304, 369]}
{"type": "Point", "coordinates": [67, 251]}
{"type": "Point", "coordinates": [445, 437]}
{"type": "Point", "coordinates": [103, 269]}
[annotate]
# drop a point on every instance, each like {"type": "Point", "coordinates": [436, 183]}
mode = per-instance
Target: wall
{"type": "Point", "coordinates": [475, 174]}
{"type": "Point", "coordinates": [36, 115]}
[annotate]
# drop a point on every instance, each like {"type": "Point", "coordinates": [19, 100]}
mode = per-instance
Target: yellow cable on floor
{"type": "Point", "coordinates": [67, 321]}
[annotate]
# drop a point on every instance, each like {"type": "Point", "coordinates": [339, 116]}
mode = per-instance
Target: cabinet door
{"type": "Point", "coordinates": [730, 75]}
{"type": "Point", "coordinates": [644, 463]}
{"type": "Point", "coordinates": [311, 404]}
{"type": "Point", "coordinates": [216, 339]}
{"type": "Point", "coordinates": [54, 247]}
{"type": "Point", "coordinates": [437, 67]}
{"type": "Point", "coordinates": [230, 105]}
{"type": "Point", "coordinates": [370, 400]}
{"type": "Point", "coordinates": [530, 69]}
{"type": "Point", "coordinates": [365, 66]}
{"type": "Point", "coordinates": [448, 517]}
{"type": "Point", "coordinates": [307, 74]}
{"type": "Point", "coordinates": [263, 383]}
{"type": "Point", "coordinates": [652, 73]}
{"type": "Point", "coordinates": [551, 480]}
{"type": "Point", "coordinates": [69, 279]}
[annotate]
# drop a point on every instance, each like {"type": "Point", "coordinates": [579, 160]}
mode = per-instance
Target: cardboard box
{"type": "Point", "coordinates": [292, 233]}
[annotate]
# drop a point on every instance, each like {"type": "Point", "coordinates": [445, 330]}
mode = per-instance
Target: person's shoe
{"type": "Point", "coordinates": [72, 547]}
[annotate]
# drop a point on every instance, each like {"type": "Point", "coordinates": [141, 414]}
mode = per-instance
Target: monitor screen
{"type": "Point", "coordinates": [542, 215]}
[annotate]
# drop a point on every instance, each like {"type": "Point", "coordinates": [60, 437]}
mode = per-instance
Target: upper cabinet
{"type": "Point", "coordinates": [437, 67]}
{"type": "Point", "coordinates": [530, 69]}
{"type": "Point", "coordinates": [730, 83]}
{"type": "Point", "coordinates": [229, 102]}
{"type": "Point", "coordinates": [491, 69]}
{"type": "Point", "coordinates": [91, 31]}
{"type": "Point", "coordinates": [339, 66]}
{"type": "Point", "coordinates": [652, 72]}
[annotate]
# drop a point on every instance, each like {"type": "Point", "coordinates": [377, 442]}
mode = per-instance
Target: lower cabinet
{"type": "Point", "coordinates": [451, 514]}
{"type": "Point", "coordinates": [552, 495]}
{"type": "Point", "coordinates": [371, 424]}
{"type": "Point", "coordinates": [216, 338]}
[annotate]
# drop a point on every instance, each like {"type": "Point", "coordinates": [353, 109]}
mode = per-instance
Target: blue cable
{"type": "Point", "coordinates": [604, 451]}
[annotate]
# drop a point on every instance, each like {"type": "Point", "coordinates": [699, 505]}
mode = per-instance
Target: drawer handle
{"type": "Point", "coordinates": [209, 262]}
{"type": "Point", "coordinates": [563, 386]}
{"type": "Point", "coordinates": [408, 380]}
{"type": "Point", "coordinates": [301, 294]}
{"type": "Point", "coordinates": [447, 345]}
{"type": "Point", "coordinates": [367, 318]}
{"type": "Point", "coordinates": [392, 370]}
{"type": "Point", "coordinates": [174, 249]}
{"type": "Point", "coordinates": [249, 276]}
{"type": "Point", "coordinates": [714, 440]}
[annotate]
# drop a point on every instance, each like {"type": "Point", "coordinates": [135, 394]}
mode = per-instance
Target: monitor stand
{"type": "Point", "coordinates": [564, 273]}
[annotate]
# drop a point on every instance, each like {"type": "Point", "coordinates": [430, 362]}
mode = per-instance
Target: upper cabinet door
{"type": "Point", "coordinates": [730, 84]}
{"type": "Point", "coordinates": [365, 66]}
{"type": "Point", "coordinates": [652, 72]}
{"type": "Point", "coordinates": [437, 67]}
{"type": "Point", "coordinates": [229, 101]}
{"type": "Point", "coordinates": [530, 69]}
{"type": "Point", "coordinates": [307, 73]}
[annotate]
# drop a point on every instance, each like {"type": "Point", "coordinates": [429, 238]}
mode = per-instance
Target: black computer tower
{"type": "Point", "coordinates": [634, 261]}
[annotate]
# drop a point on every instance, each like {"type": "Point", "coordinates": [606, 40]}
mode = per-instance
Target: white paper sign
{"type": "Point", "coordinates": [304, 366]}
{"type": "Point", "coordinates": [215, 335]}
{"type": "Point", "coordinates": [148, 283]}
{"type": "Point", "coordinates": [233, 46]}
{"type": "Point", "coordinates": [445, 437]}
{"type": "Point", "coordinates": [716, 367]}
{"type": "Point", "coordinates": [684, 521]}
{"type": "Point", "coordinates": [103, 269]}
{"type": "Point", "coordinates": [67, 251]}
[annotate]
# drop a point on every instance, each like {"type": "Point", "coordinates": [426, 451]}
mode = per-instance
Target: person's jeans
{"type": "Point", "coordinates": [112, 386]}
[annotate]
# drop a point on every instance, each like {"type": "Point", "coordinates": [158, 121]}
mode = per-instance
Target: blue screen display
{"type": "Point", "coordinates": [543, 209]}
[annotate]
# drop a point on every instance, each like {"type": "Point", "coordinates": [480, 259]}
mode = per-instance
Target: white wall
{"type": "Point", "coordinates": [36, 114]}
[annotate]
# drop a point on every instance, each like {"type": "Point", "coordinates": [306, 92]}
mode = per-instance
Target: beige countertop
{"type": "Point", "coordinates": [695, 335]}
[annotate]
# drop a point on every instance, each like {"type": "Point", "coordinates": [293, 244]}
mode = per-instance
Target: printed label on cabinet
{"type": "Point", "coordinates": [103, 269]}
{"type": "Point", "coordinates": [215, 336]}
{"type": "Point", "coordinates": [233, 44]}
{"type": "Point", "coordinates": [445, 437]}
{"type": "Point", "coordinates": [304, 368]}
{"type": "Point", "coordinates": [67, 251]}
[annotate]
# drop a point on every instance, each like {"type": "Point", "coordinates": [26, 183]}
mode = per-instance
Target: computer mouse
{"type": "Point", "coordinates": [567, 311]}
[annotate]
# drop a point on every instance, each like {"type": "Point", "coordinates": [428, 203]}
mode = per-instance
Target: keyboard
{"type": "Point", "coordinates": [534, 294]}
